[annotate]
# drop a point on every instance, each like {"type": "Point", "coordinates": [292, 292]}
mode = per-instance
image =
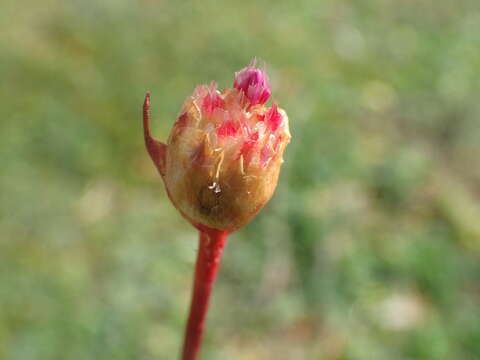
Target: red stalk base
{"type": "Point", "coordinates": [210, 250]}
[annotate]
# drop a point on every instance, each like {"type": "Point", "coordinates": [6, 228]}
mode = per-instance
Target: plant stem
{"type": "Point", "coordinates": [211, 244]}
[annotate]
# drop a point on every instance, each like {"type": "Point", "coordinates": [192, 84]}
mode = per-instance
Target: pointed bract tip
{"type": "Point", "coordinates": [155, 148]}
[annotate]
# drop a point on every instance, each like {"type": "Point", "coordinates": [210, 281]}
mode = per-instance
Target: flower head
{"type": "Point", "coordinates": [223, 156]}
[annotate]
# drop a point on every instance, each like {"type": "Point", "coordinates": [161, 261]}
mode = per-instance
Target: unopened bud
{"type": "Point", "coordinates": [224, 153]}
{"type": "Point", "coordinates": [253, 83]}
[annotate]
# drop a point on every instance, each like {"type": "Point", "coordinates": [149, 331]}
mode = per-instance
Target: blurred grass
{"type": "Point", "coordinates": [370, 248]}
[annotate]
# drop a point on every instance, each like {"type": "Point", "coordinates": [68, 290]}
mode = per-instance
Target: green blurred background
{"type": "Point", "coordinates": [370, 248]}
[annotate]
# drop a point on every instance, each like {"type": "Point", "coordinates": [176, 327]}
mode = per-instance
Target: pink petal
{"type": "Point", "coordinates": [273, 118]}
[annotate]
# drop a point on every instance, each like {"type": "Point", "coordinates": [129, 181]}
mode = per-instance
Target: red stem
{"type": "Point", "coordinates": [211, 244]}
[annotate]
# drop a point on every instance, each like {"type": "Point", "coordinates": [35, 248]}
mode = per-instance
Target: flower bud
{"type": "Point", "coordinates": [224, 153]}
{"type": "Point", "coordinates": [253, 83]}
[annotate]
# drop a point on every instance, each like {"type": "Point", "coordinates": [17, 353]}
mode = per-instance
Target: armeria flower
{"type": "Point", "coordinates": [223, 157]}
{"type": "Point", "coordinates": [220, 167]}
